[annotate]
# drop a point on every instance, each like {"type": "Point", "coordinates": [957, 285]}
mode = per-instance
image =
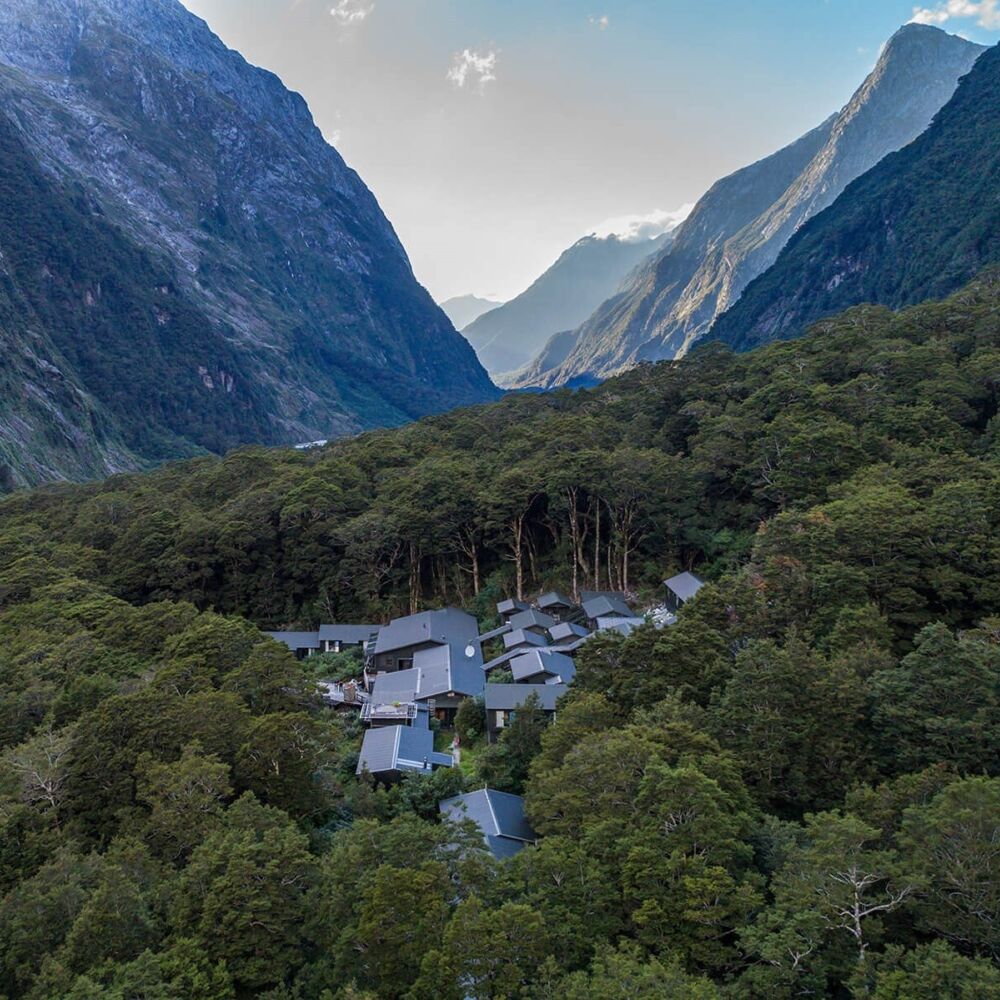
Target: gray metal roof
{"type": "Point", "coordinates": [519, 637]}
{"type": "Point", "coordinates": [602, 607]}
{"type": "Point", "coordinates": [567, 632]}
{"type": "Point", "coordinates": [351, 634]}
{"type": "Point", "coordinates": [554, 599]}
{"type": "Point", "coordinates": [494, 634]}
{"type": "Point", "coordinates": [531, 619]}
{"type": "Point", "coordinates": [297, 640]}
{"type": "Point", "coordinates": [614, 621]}
{"type": "Point", "coordinates": [541, 661]}
{"type": "Point", "coordinates": [436, 671]}
{"type": "Point", "coordinates": [400, 748]}
{"type": "Point", "coordinates": [498, 814]}
{"type": "Point", "coordinates": [511, 606]}
{"type": "Point", "coordinates": [684, 585]}
{"type": "Point", "coordinates": [448, 625]}
{"type": "Point", "coordinates": [507, 697]}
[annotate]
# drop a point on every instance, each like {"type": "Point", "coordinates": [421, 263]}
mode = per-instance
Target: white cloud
{"type": "Point", "coordinates": [474, 68]}
{"type": "Point", "coordinates": [349, 12]}
{"type": "Point", "coordinates": [986, 13]}
{"type": "Point", "coordinates": [633, 228]}
{"type": "Point", "coordinates": [600, 22]}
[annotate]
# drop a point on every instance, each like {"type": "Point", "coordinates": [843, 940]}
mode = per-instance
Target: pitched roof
{"type": "Point", "coordinates": [400, 748]}
{"type": "Point", "coordinates": [296, 640]}
{"type": "Point", "coordinates": [437, 671]}
{"type": "Point", "coordinates": [541, 661]}
{"type": "Point", "coordinates": [447, 625]}
{"type": "Point", "coordinates": [684, 585]}
{"type": "Point", "coordinates": [498, 814]}
{"type": "Point", "coordinates": [507, 697]}
{"type": "Point", "coordinates": [554, 599]}
{"type": "Point", "coordinates": [518, 637]}
{"type": "Point", "coordinates": [615, 621]}
{"type": "Point", "coordinates": [604, 606]}
{"type": "Point", "coordinates": [511, 606]}
{"type": "Point", "coordinates": [347, 633]}
{"type": "Point", "coordinates": [567, 632]}
{"type": "Point", "coordinates": [531, 619]}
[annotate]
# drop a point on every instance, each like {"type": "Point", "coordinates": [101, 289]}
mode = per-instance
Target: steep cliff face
{"type": "Point", "coordinates": [674, 301]}
{"type": "Point", "coordinates": [561, 298]}
{"type": "Point", "coordinates": [917, 226]}
{"type": "Point", "coordinates": [217, 174]}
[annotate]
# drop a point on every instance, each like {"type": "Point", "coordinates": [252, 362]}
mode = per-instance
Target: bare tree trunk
{"type": "Point", "coordinates": [414, 578]}
{"type": "Point", "coordinates": [597, 548]}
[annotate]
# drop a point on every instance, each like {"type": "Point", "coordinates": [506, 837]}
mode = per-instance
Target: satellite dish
{"type": "Point", "coordinates": [470, 651]}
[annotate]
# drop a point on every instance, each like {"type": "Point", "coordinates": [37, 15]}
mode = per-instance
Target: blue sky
{"type": "Point", "coordinates": [497, 132]}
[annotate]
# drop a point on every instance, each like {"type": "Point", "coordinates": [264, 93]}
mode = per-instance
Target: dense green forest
{"type": "Point", "coordinates": [794, 791]}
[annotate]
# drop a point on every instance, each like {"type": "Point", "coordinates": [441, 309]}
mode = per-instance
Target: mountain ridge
{"type": "Point", "coordinates": [674, 302]}
{"type": "Point", "coordinates": [918, 226]}
{"type": "Point", "coordinates": [216, 171]}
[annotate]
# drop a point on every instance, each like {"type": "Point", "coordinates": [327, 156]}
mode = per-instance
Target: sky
{"type": "Point", "coordinates": [495, 133]}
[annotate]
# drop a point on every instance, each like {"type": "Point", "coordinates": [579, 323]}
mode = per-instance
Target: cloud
{"type": "Point", "coordinates": [633, 228]}
{"type": "Point", "coordinates": [347, 12]}
{"type": "Point", "coordinates": [600, 22]}
{"type": "Point", "coordinates": [472, 67]}
{"type": "Point", "coordinates": [986, 13]}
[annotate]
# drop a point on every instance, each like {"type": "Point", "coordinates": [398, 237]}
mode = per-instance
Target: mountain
{"type": "Point", "coordinates": [192, 266]}
{"type": "Point", "coordinates": [738, 229]}
{"type": "Point", "coordinates": [916, 227]}
{"type": "Point", "coordinates": [463, 309]}
{"type": "Point", "coordinates": [562, 298]}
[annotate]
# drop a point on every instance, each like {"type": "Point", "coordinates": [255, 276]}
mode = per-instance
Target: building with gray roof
{"type": "Point", "coordinates": [398, 641]}
{"type": "Point", "coordinates": [388, 752]}
{"type": "Point", "coordinates": [337, 638]}
{"type": "Point", "coordinates": [556, 605]}
{"type": "Point", "coordinates": [681, 588]}
{"type": "Point", "coordinates": [540, 666]}
{"type": "Point", "coordinates": [302, 644]}
{"type": "Point", "coordinates": [532, 620]}
{"type": "Point", "coordinates": [499, 815]}
{"type": "Point", "coordinates": [520, 639]}
{"type": "Point", "coordinates": [506, 609]}
{"type": "Point", "coordinates": [502, 702]}
{"type": "Point", "coordinates": [567, 632]}
{"type": "Point", "coordinates": [605, 606]}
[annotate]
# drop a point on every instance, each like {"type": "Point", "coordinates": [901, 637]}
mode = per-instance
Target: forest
{"type": "Point", "coordinates": [794, 791]}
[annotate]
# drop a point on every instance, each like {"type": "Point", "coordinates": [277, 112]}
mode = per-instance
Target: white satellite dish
{"type": "Point", "coordinates": [470, 651]}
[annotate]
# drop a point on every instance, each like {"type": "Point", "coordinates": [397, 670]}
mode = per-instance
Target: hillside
{"type": "Point", "coordinates": [181, 815]}
{"type": "Point", "coordinates": [731, 238]}
{"type": "Point", "coordinates": [560, 299]}
{"type": "Point", "coordinates": [463, 309]}
{"type": "Point", "coordinates": [290, 310]}
{"type": "Point", "coordinates": [916, 227]}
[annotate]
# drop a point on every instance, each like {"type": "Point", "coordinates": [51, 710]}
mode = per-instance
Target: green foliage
{"type": "Point", "coordinates": [791, 791]}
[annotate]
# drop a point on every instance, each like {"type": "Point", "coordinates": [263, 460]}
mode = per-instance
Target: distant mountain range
{"type": "Point", "coordinates": [563, 297]}
{"type": "Point", "coordinates": [463, 309]}
{"type": "Point", "coordinates": [186, 263]}
{"type": "Point", "coordinates": [918, 226]}
{"type": "Point", "coordinates": [740, 226]}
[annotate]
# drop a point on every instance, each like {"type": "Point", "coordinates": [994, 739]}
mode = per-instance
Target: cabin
{"type": "Point", "coordinates": [565, 633]}
{"type": "Point", "coordinates": [532, 620]}
{"type": "Point", "coordinates": [521, 639]}
{"type": "Point", "coordinates": [541, 666]}
{"type": "Point", "coordinates": [605, 606]}
{"type": "Point", "coordinates": [441, 678]}
{"type": "Point", "coordinates": [507, 609]}
{"type": "Point", "coordinates": [399, 641]}
{"type": "Point", "coordinates": [499, 815]}
{"type": "Point", "coordinates": [339, 638]}
{"type": "Point", "coordinates": [302, 644]}
{"type": "Point", "coordinates": [502, 702]}
{"type": "Point", "coordinates": [680, 589]}
{"type": "Point", "coordinates": [557, 606]}
{"type": "Point", "coordinates": [387, 753]}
